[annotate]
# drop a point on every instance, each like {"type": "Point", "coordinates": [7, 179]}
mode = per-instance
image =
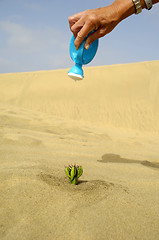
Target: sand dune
{"type": "Point", "coordinates": [108, 123]}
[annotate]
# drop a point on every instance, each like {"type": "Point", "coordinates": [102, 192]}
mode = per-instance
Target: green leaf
{"type": "Point", "coordinates": [68, 170]}
{"type": "Point", "coordinates": [73, 172]}
{"type": "Point", "coordinates": [74, 181]}
{"type": "Point", "coordinates": [80, 171]}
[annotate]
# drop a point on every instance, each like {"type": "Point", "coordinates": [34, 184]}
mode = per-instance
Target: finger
{"type": "Point", "coordinates": [74, 18]}
{"type": "Point", "coordinates": [75, 24]}
{"type": "Point", "coordinates": [93, 36]}
{"type": "Point", "coordinates": [85, 30]}
{"type": "Point", "coordinates": [76, 28]}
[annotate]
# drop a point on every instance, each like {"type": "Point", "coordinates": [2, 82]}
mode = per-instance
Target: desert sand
{"type": "Point", "coordinates": [109, 124]}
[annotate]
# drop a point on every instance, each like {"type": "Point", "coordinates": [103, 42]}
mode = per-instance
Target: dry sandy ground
{"type": "Point", "coordinates": [108, 123]}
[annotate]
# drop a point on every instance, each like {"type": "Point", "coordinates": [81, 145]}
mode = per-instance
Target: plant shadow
{"type": "Point", "coordinates": [81, 182]}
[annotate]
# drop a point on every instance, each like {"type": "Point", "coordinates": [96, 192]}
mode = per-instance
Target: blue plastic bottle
{"type": "Point", "coordinates": [81, 57]}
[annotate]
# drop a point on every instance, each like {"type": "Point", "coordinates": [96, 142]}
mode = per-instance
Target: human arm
{"type": "Point", "coordinates": [102, 20]}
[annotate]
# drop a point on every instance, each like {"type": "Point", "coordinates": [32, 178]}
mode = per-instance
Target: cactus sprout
{"type": "Point", "coordinates": [73, 172]}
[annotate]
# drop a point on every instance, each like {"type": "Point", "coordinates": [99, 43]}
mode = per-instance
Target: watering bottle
{"type": "Point", "coordinates": [80, 57]}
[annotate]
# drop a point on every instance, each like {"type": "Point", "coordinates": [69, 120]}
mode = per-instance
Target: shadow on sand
{"type": "Point", "coordinates": [115, 158]}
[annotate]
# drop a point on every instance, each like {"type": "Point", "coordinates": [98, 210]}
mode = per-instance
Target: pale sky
{"type": "Point", "coordinates": [35, 35]}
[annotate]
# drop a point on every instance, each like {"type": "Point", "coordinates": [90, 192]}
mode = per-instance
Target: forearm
{"type": "Point", "coordinates": [155, 1]}
{"type": "Point", "coordinates": [126, 8]}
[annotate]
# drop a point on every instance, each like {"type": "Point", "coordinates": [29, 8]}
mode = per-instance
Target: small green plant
{"type": "Point", "coordinates": [73, 172]}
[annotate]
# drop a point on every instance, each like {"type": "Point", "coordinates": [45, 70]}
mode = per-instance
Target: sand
{"type": "Point", "coordinates": [109, 124]}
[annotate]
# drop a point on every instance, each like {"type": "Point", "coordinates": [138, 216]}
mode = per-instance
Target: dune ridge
{"type": "Point", "coordinates": [120, 95]}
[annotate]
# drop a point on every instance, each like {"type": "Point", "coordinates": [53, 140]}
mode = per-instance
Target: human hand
{"type": "Point", "coordinates": [101, 20]}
